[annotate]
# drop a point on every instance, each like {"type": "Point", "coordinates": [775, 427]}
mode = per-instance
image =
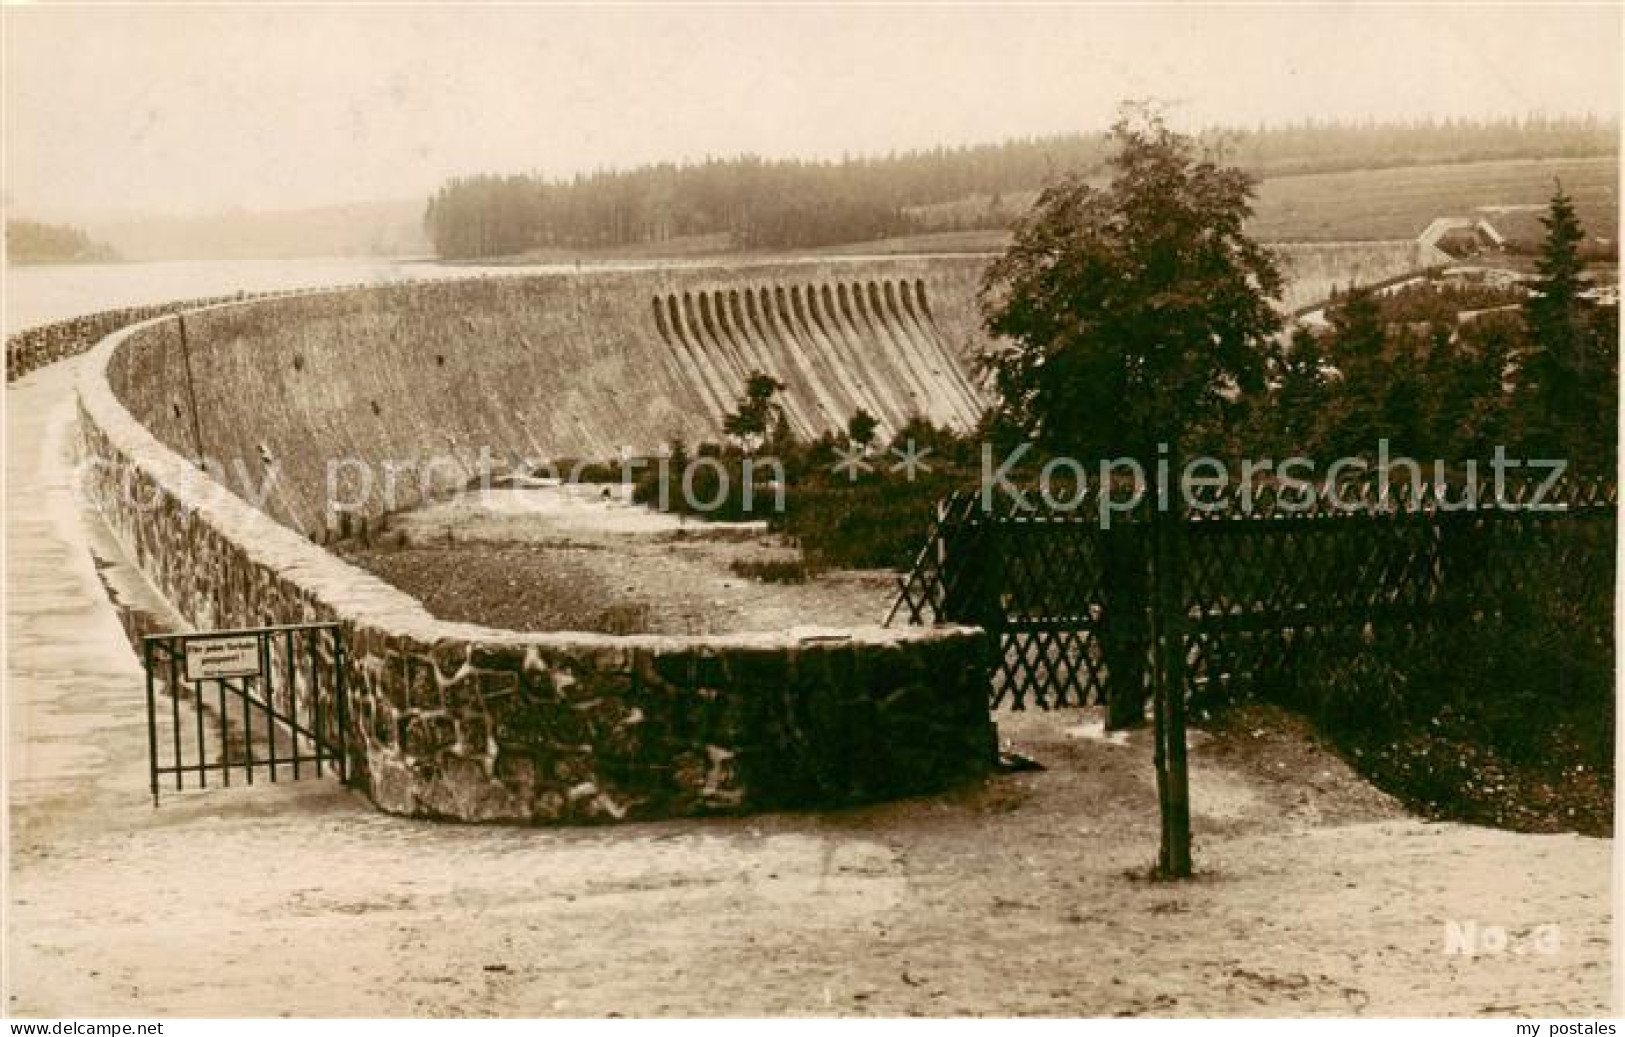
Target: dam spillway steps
{"type": "Point", "coordinates": [838, 346]}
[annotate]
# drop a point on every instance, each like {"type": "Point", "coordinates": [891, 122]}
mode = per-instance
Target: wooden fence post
{"type": "Point", "coordinates": [1125, 640]}
{"type": "Point", "coordinates": [1168, 619]}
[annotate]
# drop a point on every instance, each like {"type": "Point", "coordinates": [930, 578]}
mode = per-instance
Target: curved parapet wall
{"type": "Point", "coordinates": [419, 386]}
{"type": "Point", "coordinates": [33, 348]}
{"type": "Point", "coordinates": [462, 722]}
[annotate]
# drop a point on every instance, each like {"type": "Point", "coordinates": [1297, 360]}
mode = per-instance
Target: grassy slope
{"type": "Point", "coordinates": [1376, 204]}
{"type": "Point", "coordinates": [1398, 203]}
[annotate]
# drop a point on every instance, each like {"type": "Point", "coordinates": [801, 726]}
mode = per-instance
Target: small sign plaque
{"type": "Point", "coordinates": [217, 657]}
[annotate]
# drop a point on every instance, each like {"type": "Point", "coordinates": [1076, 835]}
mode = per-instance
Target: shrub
{"type": "Point", "coordinates": [1516, 694]}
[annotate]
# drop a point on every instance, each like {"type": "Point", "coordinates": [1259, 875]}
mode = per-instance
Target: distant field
{"type": "Point", "coordinates": [1398, 203]}
{"type": "Point", "coordinates": [1373, 204]}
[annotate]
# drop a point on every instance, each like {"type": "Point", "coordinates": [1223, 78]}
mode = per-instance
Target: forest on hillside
{"type": "Point", "coordinates": [31, 242]}
{"type": "Point", "coordinates": [759, 203]}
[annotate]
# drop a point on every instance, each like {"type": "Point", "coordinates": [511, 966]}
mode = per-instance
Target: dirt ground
{"type": "Point", "coordinates": [571, 558]}
{"type": "Point", "coordinates": [1021, 895]}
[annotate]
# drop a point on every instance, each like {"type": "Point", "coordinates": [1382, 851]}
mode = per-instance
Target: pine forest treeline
{"type": "Point", "coordinates": [28, 241]}
{"type": "Point", "coordinates": [760, 203]}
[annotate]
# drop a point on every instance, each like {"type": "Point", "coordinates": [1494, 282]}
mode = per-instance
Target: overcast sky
{"type": "Point", "coordinates": [177, 110]}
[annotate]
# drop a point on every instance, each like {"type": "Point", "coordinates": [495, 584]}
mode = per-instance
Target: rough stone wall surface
{"type": "Point", "coordinates": [461, 722]}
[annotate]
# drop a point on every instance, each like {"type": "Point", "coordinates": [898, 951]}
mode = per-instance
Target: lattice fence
{"type": "Point", "coordinates": [1261, 577]}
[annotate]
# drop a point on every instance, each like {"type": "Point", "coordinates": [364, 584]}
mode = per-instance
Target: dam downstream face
{"type": "Point", "coordinates": [436, 380]}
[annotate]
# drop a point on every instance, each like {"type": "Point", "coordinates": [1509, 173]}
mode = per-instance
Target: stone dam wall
{"type": "Point", "coordinates": [437, 380]}
{"type": "Point", "coordinates": [1314, 270]}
